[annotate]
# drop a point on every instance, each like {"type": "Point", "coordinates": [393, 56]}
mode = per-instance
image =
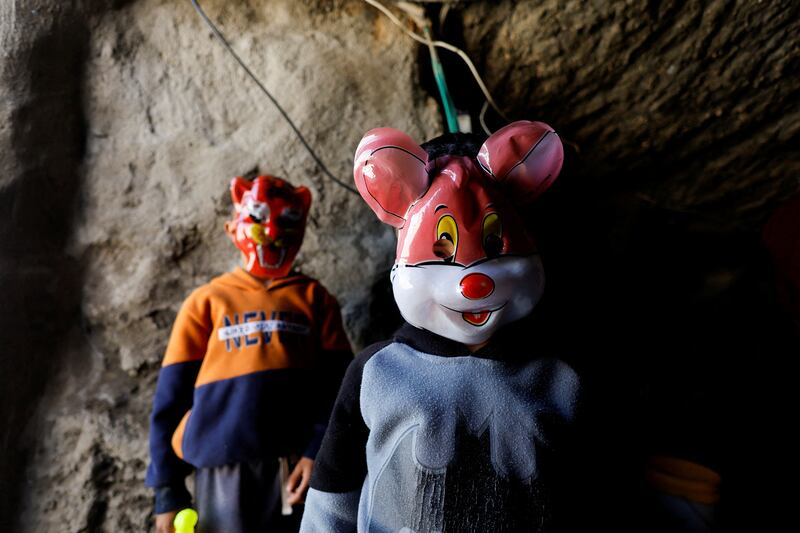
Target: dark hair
{"type": "Point", "coordinates": [464, 144]}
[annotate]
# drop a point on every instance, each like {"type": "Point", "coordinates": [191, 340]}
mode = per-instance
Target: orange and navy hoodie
{"type": "Point", "coordinates": [250, 373]}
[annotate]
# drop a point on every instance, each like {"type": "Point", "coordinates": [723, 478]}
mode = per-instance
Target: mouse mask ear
{"type": "Point", "coordinates": [390, 173]}
{"type": "Point", "coordinates": [524, 156]}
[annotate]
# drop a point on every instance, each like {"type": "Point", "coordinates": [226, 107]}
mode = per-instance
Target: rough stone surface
{"type": "Point", "coordinates": [122, 122]}
{"type": "Point", "coordinates": [692, 105]}
{"type": "Point", "coordinates": [170, 120]}
{"type": "Point", "coordinates": [41, 150]}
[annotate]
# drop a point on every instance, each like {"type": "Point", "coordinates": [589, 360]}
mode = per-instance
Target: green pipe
{"type": "Point", "coordinates": [438, 74]}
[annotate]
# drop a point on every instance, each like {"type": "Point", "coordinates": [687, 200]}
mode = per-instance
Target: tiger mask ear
{"type": "Point", "coordinates": [524, 156]}
{"type": "Point", "coordinates": [390, 173]}
{"type": "Point", "coordinates": [304, 195]}
{"type": "Point", "coordinates": [239, 186]}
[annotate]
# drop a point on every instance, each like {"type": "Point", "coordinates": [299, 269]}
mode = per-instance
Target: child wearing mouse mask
{"type": "Point", "coordinates": [457, 423]}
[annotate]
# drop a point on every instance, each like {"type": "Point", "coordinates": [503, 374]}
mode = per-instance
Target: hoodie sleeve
{"type": "Point", "coordinates": [341, 465]}
{"type": "Point", "coordinates": [173, 399]}
{"type": "Point", "coordinates": [335, 355]}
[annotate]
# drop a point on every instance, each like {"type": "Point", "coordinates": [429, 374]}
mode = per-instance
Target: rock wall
{"type": "Point", "coordinates": [690, 104]}
{"type": "Point", "coordinates": [123, 122]}
{"type": "Point", "coordinates": [42, 146]}
{"type": "Point", "coordinates": [170, 119]}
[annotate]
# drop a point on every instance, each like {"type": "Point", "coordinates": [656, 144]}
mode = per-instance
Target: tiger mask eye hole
{"type": "Point", "coordinates": [444, 249]}
{"type": "Point", "coordinates": [291, 215]}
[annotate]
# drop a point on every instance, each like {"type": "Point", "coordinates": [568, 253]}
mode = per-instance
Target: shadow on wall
{"type": "Point", "coordinates": [384, 316]}
{"type": "Point", "coordinates": [39, 283]}
{"type": "Point", "coordinates": [673, 319]}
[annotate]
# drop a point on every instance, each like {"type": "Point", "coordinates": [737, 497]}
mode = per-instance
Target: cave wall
{"type": "Point", "coordinates": [169, 120]}
{"type": "Point", "coordinates": [692, 105]}
{"type": "Point", "coordinates": [124, 122]}
{"type": "Point", "coordinates": [41, 153]}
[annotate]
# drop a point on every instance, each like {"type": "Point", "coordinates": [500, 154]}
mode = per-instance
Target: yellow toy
{"type": "Point", "coordinates": [185, 521]}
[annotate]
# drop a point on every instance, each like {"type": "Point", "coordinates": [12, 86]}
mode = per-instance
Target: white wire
{"type": "Point", "coordinates": [383, 9]}
{"type": "Point", "coordinates": [441, 44]}
{"type": "Point", "coordinates": [468, 61]}
{"type": "Point", "coordinates": [482, 118]}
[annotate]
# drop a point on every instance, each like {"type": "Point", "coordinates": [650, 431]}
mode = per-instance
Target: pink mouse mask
{"type": "Point", "coordinates": [268, 224]}
{"type": "Point", "coordinates": [465, 264]}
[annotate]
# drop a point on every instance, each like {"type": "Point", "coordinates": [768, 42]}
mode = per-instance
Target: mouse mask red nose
{"type": "Point", "coordinates": [477, 286]}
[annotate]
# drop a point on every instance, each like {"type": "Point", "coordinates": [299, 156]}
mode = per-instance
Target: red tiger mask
{"type": "Point", "coordinates": [269, 223]}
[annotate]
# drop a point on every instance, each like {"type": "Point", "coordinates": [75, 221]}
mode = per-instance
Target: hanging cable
{"type": "Point", "coordinates": [463, 55]}
{"type": "Point", "coordinates": [482, 118]}
{"type": "Point", "coordinates": [261, 86]}
{"type": "Point", "coordinates": [441, 44]}
{"type": "Point", "coordinates": [438, 73]}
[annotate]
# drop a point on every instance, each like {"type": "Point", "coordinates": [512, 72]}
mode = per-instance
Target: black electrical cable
{"type": "Point", "coordinates": [238, 59]}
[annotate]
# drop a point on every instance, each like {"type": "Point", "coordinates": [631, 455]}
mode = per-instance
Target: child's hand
{"type": "Point", "coordinates": [297, 484]}
{"type": "Point", "coordinates": [164, 522]}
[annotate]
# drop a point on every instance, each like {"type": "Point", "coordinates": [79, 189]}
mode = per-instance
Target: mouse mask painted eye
{"type": "Point", "coordinates": [492, 235]}
{"type": "Point", "coordinates": [446, 238]}
{"type": "Point", "coordinates": [268, 224]}
{"type": "Point", "coordinates": [454, 202]}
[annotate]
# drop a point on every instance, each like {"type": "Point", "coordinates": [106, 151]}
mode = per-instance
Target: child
{"type": "Point", "coordinates": [252, 366]}
{"type": "Point", "coordinates": [458, 423]}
